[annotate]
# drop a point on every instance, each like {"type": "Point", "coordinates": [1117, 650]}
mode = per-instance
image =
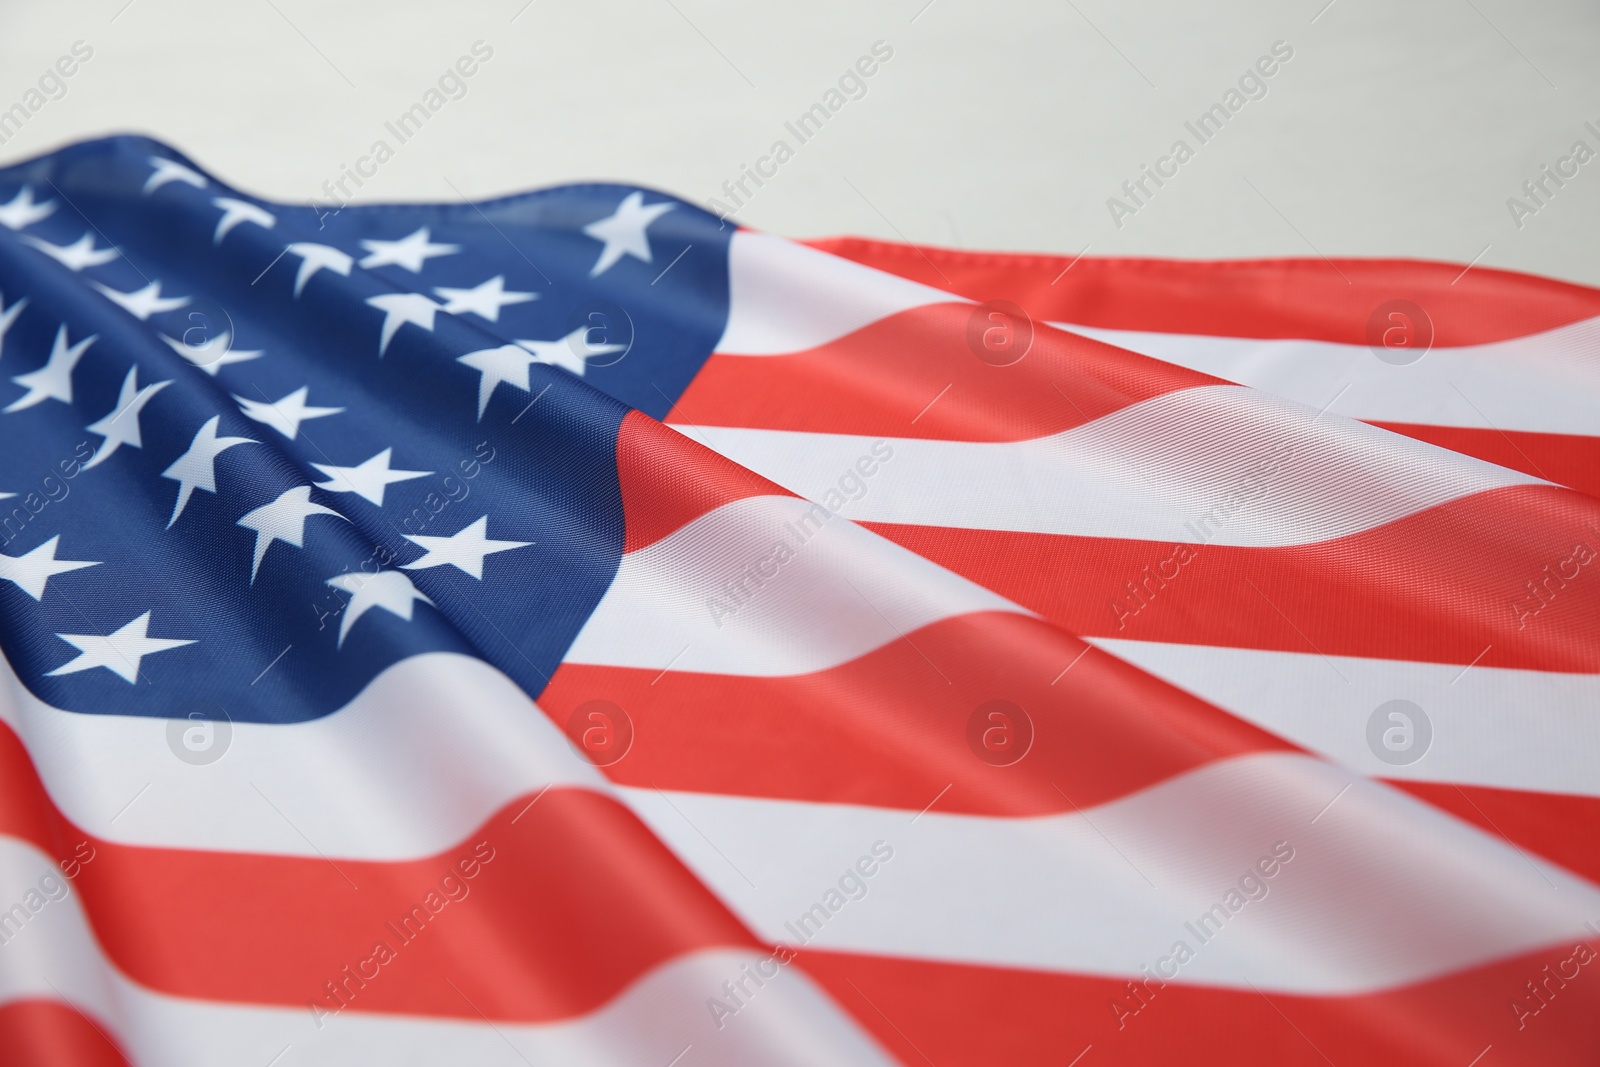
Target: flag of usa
{"type": "Point", "coordinates": [574, 629]}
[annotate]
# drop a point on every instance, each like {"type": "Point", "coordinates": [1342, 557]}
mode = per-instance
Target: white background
{"type": "Point", "coordinates": [1398, 129]}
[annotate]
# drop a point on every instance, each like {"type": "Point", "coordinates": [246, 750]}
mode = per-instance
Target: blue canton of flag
{"type": "Point", "coordinates": [266, 437]}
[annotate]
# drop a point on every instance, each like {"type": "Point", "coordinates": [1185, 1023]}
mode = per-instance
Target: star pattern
{"type": "Point", "coordinates": [121, 426]}
{"type": "Point", "coordinates": [76, 256]}
{"type": "Point", "coordinates": [170, 170]}
{"type": "Point", "coordinates": [235, 212]}
{"type": "Point", "coordinates": [315, 257]}
{"type": "Point", "coordinates": [287, 414]}
{"type": "Point", "coordinates": [506, 365]}
{"type": "Point", "coordinates": [367, 480]}
{"type": "Point", "coordinates": [425, 274]}
{"type": "Point", "coordinates": [121, 652]}
{"type": "Point", "coordinates": [464, 550]}
{"type": "Point", "coordinates": [32, 570]}
{"type": "Point", "coordinates": [390, 590]}
{"type": "Point", "coordinates": [215, 354]}
{"type": "Point", "coordinates": [623, 232]}
{"type": "Point", "coordinates": [23, 211]}
{"type": "Point", "coordinates": [142, 303]}
{"type": "Point", "coordinates": [8, 315]}
{"type": "Point", "coordinates": [53, 381]}
{"type": "Point", "coordinates": [484, 300]}
{"type": "Point", "coordinates": [399, 309]}
{"type": "Point", "coordinates": [282, 520]}
{"type": "Point", "coordinates": [409, 252]}
{"type": "Point", "coordinates": [197, 467]}
{"type": "Point", "coordinates": [569, 352]}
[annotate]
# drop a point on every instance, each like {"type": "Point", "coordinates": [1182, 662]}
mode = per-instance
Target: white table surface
{"type": "Point", "coordinates": [1398, 128]}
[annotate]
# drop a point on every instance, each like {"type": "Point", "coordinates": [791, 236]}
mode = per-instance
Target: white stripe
{"type": "Point", "coordinates": [768, 586]}
{"type": "Point", "coordinates": [438, 742]}
{"type": "Point", "coordinates": [1369, 909]}
{"type": "Point", "coordinates": [1217, 464]}
{"type": "Point", "coordinates": [432, 747]}
{"type": "Point", "coordinates": [1545, 383]}
{"type": "Point", "coordinates": [288, 790]}
{"type": "Point", "coordinates": [55, 956]}
{"type": "Point", "coordinates": [1490, 726]}
{"type": "Point", "coordinates": [786, 297]}
{"type": "Point", "coordinates": [443, 740]}
{"type": "Point", "coordinates": [1382, 890]}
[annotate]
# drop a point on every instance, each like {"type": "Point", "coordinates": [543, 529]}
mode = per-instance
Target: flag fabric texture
{"type": "Point", "coordinates": [574, 629]}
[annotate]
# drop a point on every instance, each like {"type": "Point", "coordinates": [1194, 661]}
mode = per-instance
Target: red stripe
{"type": "Point", "coordinates": [1572, 460]}
{"type": "Point", "coordinates": [577, 900]}
{"type": "Point", "coordinates": [955, 1015]}
{"type": "Point", "coordinates": [668, 480]}
{"type": "Point", "coordinates": [1446, 585]}
{"type": "Point", "coordinates": [1272, 299]}
{"type": "Point", "coordinates": [46, 1033]}
{"type": "Point", "coordinates": [1313, 299]}
{"type": "Point", "coordinates": [890, 729]}
{"type": "Point", "coordinates": [1565, 829]}
{"type": "Point", "coordinates": [913, 374]}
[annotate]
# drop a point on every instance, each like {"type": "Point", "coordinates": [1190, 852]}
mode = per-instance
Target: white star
{"type": "Point", "coordinates": [214, 354]}
{"type": "Point", "coordinates": [623, 231]}
{"type": "Point", "coordinates": [197, 468]}
{"type": "Point", "coordinates": [463, 550]}
{"type": "Point", "coordinates": [569, 351]}
{"type": "Point", "coordinates": [142, 303]}
{"type": "Point", "coordinates": [170, 170]}
{"type": "Point", "coordinates": [121, 426]}
{"type": "Point", "coordinates": [287, 414]}
{"type": "Point", "coordinates": [121, 652]}
{"type": "Point", "coordinates": [485, 300]}
{"type": "Point", "coordinates": [236, 211]}
{"type": "Point", "coordinates": [315, 257]}
{"type": "Point", "coordinates": [366, 480]}
{"type": "Point", "coordinates": [389, 590]}
{"type": "Point", "coordinates": [23, 211]}
{"type": "Point", "coordinates": [408, 252]}
{"type": "Point", "coordinates": [507, 364]}
{"type": "Point", "coordinates": [282, 520]}
{"type": "Point", "coordinates": [53, 381]}
{"type": "Point", "coordinates": [31, 570]}
{"type": "Point", "coordinates": [76, 256]}
{"type": "Point", "coordinates": [8, 315]}
{"type": "Point", "coordinates": [399, 309]}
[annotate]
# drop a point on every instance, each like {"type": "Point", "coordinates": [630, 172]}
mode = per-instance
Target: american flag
{"type": "Point", "coordinates": [573, 629]}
